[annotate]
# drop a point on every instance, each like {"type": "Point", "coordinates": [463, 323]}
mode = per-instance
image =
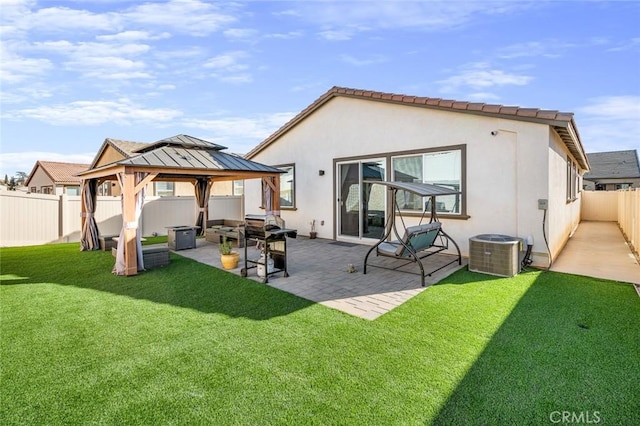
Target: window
{"type": "Point", "coordinates": [72, 190]}
{"type": "Point", "coordinates": [572, 180]}
{"type": "Point", "coordinates": [47, 189]}
{"type": "Point", "coordinates": [287, 187]}
{"type": "Point", "coordinates": [623, 185]}
{"type": "Point", "coordinates": [238, 187]}
{"type": "Point", "coordinates": [104, 188]}
{"type": "Point", "coordinates": [164, 189]}
{"type": "Point", "coordinates": [442, 168]}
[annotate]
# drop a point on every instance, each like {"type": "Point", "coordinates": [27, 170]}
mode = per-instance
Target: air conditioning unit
{"type": "Point", "coordinates": [495, 254]}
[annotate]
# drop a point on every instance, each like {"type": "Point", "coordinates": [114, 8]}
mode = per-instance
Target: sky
{"type": "Point", "coordinates": [74, 73]}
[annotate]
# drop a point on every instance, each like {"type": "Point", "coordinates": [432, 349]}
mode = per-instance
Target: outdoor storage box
{"type": "Point", "coordinates": [181, 237]}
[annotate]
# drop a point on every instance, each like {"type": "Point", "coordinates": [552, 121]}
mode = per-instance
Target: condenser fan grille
{"type": "Point", "coordinates": [495, 254]}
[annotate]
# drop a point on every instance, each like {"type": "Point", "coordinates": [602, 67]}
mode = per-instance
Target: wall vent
{"type": "Point", "coordinates": [495, 254]}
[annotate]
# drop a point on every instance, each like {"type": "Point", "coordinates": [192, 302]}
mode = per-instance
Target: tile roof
{"type": "Point", "coordinates": [558, 120]}
{"type": "Point", "coordinates": [60, 173]}
{"type": "Point", "coordinates": [126, 148]}
{"type": "Point", "coordinates": [613, 164]}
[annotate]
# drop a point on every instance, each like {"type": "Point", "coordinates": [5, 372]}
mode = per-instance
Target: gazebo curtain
{"type": "Point", "coordinates": [89, 238]}
{"type": "Point", "coordinates": [202, 192]}
{"type": "Point", "coordinates": [120, 267]}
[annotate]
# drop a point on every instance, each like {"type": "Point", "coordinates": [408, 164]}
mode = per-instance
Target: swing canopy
{"type": "Point", "coordinates": [418, 242]}
{"type": "Point", "coordinates": [418, 188]}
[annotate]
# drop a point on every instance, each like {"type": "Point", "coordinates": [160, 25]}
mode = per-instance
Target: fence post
{"type": "Point", "coordinates": [62, 215]}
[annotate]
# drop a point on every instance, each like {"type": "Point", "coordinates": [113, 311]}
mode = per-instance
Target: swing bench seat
{"type": "Point", "coordinates": [419, 242]}
{"type": "Point", "coordinates": [417, 239]}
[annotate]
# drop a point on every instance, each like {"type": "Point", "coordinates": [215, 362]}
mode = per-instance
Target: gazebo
{"type": "Point", "coordinates": [174, 159]}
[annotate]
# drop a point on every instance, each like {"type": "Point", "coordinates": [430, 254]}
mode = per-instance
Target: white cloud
{"type": "Point", "coordinates": [227, 61]}
{"type": "Point", "coordinates": [56, 19]}
{"type": "Point", "coordinates": [372, 60]}
{"type": "Point", "coordinates": [285, 36]}
{"type": "Point", "coordinates": [100, 60]}
{"type": "Point", "coordinates": [255, 128]}
{"type": "Point", "coordinates": [610, 123]}
{"type": "Point", "coordinates": [82, 49]}
{"type": "Point", "coordinates": [337, 35]}
{"type": "Point", "coordinates": [127, 36]}
{"type": "Point", "coordinates": [241, 33]}
{"type": "Point", "coordinates": [194, 17]}
{"type": "Point", "coordinates": [483, 97]}
{"type": "Point", "coordinates": [228, 69]}
{"type": "Point", "coordinates": [16, 68]}
{"type": "Point", "coordinates": [480, 76]}
{"type": "Point", "coordinates": [91, 113]}
{"type": "Point", "coordinates": [342, 20]}
{"type": "Point", "coordinates": [634, 43]}
{"type": "Point", "coordinates": [547, 49]}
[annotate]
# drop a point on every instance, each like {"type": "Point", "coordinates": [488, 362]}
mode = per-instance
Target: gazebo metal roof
{"type": "Point", "coordinates": [177, 158]}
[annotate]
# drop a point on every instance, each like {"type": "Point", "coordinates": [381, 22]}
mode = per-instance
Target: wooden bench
{"type": "Point", "coordinates": [107, 242]}
{"type": "Point", "coordinates": [219, 228]}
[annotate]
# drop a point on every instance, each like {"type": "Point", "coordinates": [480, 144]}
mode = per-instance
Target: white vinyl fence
{"type": "Point", "coordinates": [34, 219]}
{"type": "Point", "coordinates": [621, 206]}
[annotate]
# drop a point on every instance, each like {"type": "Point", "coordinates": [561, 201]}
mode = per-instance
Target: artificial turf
{"type": "Point", "coordinates": [191, 344]}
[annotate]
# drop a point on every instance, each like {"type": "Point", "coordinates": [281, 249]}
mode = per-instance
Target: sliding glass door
{"type": "Point", "coordinates": [361, 206]}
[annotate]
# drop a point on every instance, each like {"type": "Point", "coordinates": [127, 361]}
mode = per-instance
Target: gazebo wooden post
{"type": "Point", "coordinates": [275, 195]}
{"type": "Point", "coordinates": [130, 223]}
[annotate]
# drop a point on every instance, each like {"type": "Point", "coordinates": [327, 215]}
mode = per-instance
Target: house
{"type": "Point", "coordinates": [52, 177]}
{"type": "Point", "coordinates": [114, 150]}
{"type": "Point", "coordinates": [519, 170]}
{"type": "Point", "coordinates": [612, 170]}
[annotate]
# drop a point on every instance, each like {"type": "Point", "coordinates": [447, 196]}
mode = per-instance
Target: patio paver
{"type": "Point", "coordinates": [318, 272]}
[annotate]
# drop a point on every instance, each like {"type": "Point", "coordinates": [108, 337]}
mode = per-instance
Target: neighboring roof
{"type": "Point", "coordinates": [183, 152]}
{"type": "Point", "coordinates": [562, 122]}
{"type": "Point", "coordinates": [59, 173]}
{"type": "Point", "coordinates": [125, 148]}
{"type": "Point", "coordinates": [613, 165]}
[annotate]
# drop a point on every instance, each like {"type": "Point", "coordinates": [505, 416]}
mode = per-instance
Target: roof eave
{"type": "Point", "coordinates": [556, 120]}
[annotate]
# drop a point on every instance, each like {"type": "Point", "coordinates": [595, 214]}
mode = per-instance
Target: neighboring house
{"type": "Point", "coordinates": [503, 159]}
{"type": "Point", "coordinates": [56, 178]}
{"type": "Point", "coordinates": [613, 170]}
{"type": "Point", "coordinates": [113, 150]}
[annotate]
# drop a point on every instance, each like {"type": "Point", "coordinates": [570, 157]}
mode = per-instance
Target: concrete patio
{"type": "Point", "coordinates": [318, 269]}
{"type": "Point", "coordinates": [318, 272]}
{"type": "Point", "coordinates": [599, 250]}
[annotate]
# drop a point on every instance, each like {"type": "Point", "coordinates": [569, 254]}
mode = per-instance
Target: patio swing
{"type": "Point", "coordinates": [418, 242]}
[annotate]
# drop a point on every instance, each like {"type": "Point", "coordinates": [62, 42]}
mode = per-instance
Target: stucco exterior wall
{"type": "Point", "coordinates": [563, 216]}
{"type": "Point", "coordinates": [506, 173]}
{"type": "Point", "coordinates": [40, 179]}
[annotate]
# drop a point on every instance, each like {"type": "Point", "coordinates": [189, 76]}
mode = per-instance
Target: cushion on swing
{"type": "Point", "coordinates": [419, 237]}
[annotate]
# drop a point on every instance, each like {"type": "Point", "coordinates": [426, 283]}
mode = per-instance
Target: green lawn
{"type": "Point", "coordinates": [190, 344]}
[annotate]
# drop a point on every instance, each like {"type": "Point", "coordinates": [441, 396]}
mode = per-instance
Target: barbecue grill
{"type": "Point", "coordinates": [269, 233]}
